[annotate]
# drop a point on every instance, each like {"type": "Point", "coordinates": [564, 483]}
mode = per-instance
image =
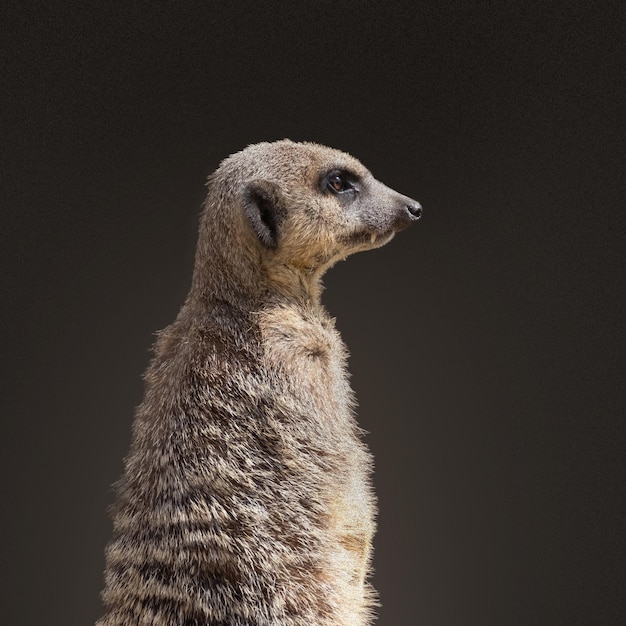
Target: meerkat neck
{"type": "Point", "coordinates": [297, 284]}
{"type": "Point", "coordinates": [256, 285]}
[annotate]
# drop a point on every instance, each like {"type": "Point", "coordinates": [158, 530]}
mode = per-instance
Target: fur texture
{"type": "Point", "coordinates": [246, 496]}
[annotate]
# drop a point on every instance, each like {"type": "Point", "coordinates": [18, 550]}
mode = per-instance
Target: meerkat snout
{"type": "Point", "coordinates": [408, 214]}
{"type": "Point", "coordinates": [383, 211]}
{"type": "Point", "coordinates": [415, 209]}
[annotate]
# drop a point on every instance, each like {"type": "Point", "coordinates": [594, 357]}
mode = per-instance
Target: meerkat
{"type": "Point", "coordinates": [246, 498]}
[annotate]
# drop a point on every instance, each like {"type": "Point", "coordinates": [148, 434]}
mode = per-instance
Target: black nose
{"type": "Point", "coordinates": [415, 210]}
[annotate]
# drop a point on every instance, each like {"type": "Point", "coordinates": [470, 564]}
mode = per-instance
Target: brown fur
{"type": "Point", "coordinates": [246, 498]}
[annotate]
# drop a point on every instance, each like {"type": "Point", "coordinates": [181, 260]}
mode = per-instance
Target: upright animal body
{"type": "Point", "coordinates": [246, 497]}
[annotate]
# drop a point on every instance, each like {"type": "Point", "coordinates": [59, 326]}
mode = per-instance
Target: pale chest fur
{"type": "Point", "coordinates": [306, 352]}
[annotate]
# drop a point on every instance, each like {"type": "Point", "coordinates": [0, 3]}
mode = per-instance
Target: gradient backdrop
{"type": "Point", "coordinates": [487, 342]}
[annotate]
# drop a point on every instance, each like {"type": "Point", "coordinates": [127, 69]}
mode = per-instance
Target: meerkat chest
{"type": "Point", "coordinates": [310, 358]}
{"type": "Point", "coordinates": [308, 352]}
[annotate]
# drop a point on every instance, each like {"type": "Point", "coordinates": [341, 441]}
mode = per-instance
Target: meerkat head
{"type": "Point", "coordinates": [309, 205]}
{"type": "Point", "coordinates": [300, 206]}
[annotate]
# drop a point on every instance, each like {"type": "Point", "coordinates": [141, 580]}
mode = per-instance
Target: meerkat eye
{"type": "Point", "coordinates": [338, 183]}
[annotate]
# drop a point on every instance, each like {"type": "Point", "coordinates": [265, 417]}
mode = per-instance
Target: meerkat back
{"type": "Point", "coordinates": [246, 497]}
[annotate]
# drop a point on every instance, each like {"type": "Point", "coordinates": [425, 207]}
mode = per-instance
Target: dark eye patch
{"type": "Point", "coordinates": [339, 181]}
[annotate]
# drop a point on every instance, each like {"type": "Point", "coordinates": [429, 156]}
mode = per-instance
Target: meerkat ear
{"type": "Point", "coordinates": [264, 209]}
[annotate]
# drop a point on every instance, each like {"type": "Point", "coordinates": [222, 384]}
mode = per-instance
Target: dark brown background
{"type": "Point", "coordinates": [487, 342]}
